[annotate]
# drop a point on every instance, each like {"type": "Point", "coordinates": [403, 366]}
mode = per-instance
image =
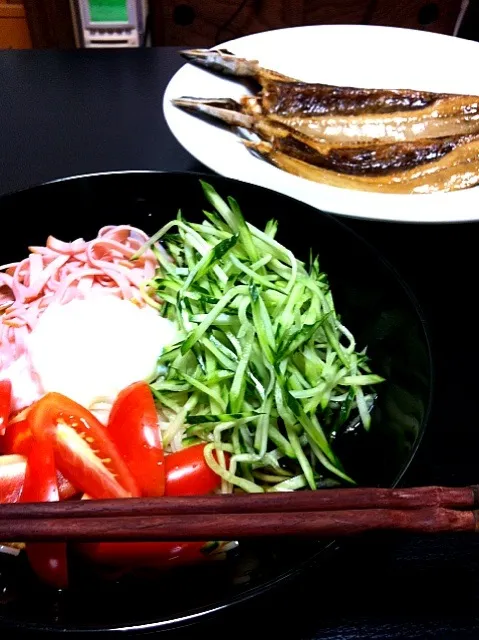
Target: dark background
{"type": "Point", "coordinates": [204, 23]}
{"type": "Point", "coordinates": [81, 112]}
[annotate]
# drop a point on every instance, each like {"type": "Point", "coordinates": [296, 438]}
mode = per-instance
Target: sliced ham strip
{"type": "Point", "coordinates": [59, 273]}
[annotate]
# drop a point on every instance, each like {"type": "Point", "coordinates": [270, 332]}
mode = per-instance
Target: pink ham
{"type": "Point", "coordinates": [58, 273]}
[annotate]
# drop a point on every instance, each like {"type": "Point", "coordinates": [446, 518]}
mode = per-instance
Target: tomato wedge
{"type": "Point", "coordinates": [18, 438]}
{"type": "Point", "coordinates": [12, 476]}
{"type": "Point", "coordinates": [48, 560]}
{"type": "Point", "coordinates": [130, 555]}
{"type": "Point", "coordinates": [188, 474]}
{"type": "Point", "coordinates": [84, 452]}
{"type": "Point", "coordinates": [83, 468]}
{"type": "Point", "coordinates": [134, 428]}
{"type": "Point", "coordinates": [5, 403]}
{"type": "Point", "coordinates": [40, 484]}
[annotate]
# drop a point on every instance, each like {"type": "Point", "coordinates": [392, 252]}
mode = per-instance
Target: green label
{"type": "Point", "coordinates": [108, 11]}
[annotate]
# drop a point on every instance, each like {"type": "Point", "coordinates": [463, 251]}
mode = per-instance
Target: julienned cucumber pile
{"type": "Point", "coordinates": [264, 371]}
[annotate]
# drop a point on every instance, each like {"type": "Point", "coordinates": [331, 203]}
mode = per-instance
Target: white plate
{"type": "Point", "coordinates": [354, 55]}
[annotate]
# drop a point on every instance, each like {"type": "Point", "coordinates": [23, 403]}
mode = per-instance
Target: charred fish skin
{"type": "Point", "coordinates": [456, 170]}
{"type": "Point", "coordinates": [343, 114]}
{"type": "Point", "coordinates": [376, 160]}
{"type": "Point", "coordinates": [308, 99]}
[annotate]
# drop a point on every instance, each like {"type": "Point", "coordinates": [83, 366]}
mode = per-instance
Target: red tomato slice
{"type": "Point", "coordinates": [18, 438]}
{"type": "Point", "coordinates": [187, 473]}
{"type": "Point", "coordinates": [77, 462]}
{"type": "Point", "coordinates": [40, 484]}
{"type": "Point", "coordinates": [5, 403]}
{"type": "Point", "coordinates": [12, 476]}
{"type": "Point", "coordinates": [84, 452]}
{"type": "Point", "coordinates": [143, 554]}
{"type": "Point", "coordinates": [134, 428]}
{"type": "Point", "coordinates": [48, 560]}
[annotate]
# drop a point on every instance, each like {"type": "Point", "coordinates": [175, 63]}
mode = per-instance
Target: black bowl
{"type": "Point", "coordinates": [374, 302]}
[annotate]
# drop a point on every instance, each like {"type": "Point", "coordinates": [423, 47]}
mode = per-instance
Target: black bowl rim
{"type": "Point", "coordinates": [207, 611]}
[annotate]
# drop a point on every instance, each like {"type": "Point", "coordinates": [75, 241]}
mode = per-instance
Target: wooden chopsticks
{"type": "Point", "coordinates": [333, 512]}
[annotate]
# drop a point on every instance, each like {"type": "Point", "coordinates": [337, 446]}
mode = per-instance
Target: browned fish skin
{"type": "Point", "coordinates": [380, 160]}
{"type": "Point", "coordinates": [293, 98]}
{"type": "Point", "coordinates": [459, 169]}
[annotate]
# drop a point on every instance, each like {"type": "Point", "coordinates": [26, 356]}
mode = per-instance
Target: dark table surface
{"type": "Point", "coordinates": [80, 112]}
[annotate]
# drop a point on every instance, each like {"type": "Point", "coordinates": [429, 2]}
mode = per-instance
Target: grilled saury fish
{"type": "Point", "coordinates": [401, 141]}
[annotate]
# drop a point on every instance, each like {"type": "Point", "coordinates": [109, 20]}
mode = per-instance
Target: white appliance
{"type": "Point", "coordinates": [111, 23]}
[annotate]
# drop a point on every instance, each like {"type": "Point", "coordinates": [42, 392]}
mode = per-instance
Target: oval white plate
{"type": "Point", "coordinates": [354, 55]}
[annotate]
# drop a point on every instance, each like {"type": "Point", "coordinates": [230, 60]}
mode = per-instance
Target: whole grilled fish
{"type": "Point", "coordinates": [384, 140]}
{"type": "Point", "coordinates": [342, 114]}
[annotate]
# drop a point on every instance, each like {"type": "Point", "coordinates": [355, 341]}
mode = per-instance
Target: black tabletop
{"type": "Point", "coordinates": [80, 112]}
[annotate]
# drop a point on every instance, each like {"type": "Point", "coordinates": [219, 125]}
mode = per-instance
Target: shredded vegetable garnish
{"type": "Point", "coordinates": [264, 371]}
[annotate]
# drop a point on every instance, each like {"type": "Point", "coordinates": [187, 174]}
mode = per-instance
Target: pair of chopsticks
{"type": "Point", "coordinates": [332, 512]}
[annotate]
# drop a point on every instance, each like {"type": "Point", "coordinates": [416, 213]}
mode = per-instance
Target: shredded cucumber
{"type": "Point", "coordinates": [263, 371]}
